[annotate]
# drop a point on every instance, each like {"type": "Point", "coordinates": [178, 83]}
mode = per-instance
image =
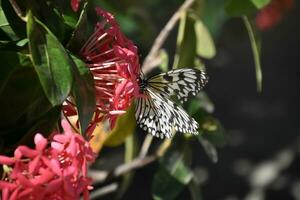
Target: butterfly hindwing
{"type": "Point", "coordinates": [181, 83]}
{"type": "Point", "coordinates": [161, 117]}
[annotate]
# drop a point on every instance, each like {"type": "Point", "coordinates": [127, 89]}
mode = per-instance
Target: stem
{"type": "Point", "coordinates": [18, 10]}
{"type": "Point", "coordinates": [255, 53]}
{"type": "Point", "coordinates": [161, 38]}
{"type": "Point", "coordinates": [103, 176]}
{"type": "Point", "coordinates": [146, 145]}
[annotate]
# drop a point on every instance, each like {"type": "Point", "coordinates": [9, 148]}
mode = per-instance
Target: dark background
{"type": "Point", "coordinates": [261, 159]}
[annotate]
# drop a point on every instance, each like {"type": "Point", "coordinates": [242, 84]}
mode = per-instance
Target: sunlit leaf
{"type": "Point", "coordinates": [5, 26]}
{"type": "Point", "coordinates": [51, 61]}
{"type": "Point", "coordinates": [125, 126]}
{"type": "Point", "coordinates": [99, 135]}
{"type": "Point", "coordinates": [186, 46]}
{"type": "Point", "coordinates": [260, 3]}
{"type": "Point", "coordinates": [205, 44]}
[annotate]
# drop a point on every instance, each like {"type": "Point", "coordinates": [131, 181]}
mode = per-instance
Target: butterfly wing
{"type": "Point", "coordinates": [182, 83]}
{"type": "Point", "coordinates": [161, 117]}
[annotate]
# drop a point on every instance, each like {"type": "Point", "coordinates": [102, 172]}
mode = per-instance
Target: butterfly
{"type": "Point", "coordinates": [156, 113]}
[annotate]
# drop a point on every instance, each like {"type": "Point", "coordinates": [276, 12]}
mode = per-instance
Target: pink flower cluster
{"type": "Point", "coordinates": [273, 13]}
{"type": "Point", "coordinates": [55, 170]}
{"type": "Point", "coordinates": [75, 5]}
{"type": "Point", "coordinates": [114, 64]}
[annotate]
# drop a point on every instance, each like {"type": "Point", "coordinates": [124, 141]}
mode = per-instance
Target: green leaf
{"type": "Point", "coordinates": [12, 61]}
{"type": "Point", "coordinates": [214, 15]}
{"type": "Point", "coordinates": [50, 17]}
{"type": "Point", "coordinates": [124, 127]}
{"type": "Point", "coordinates": [12, 25]}
{"type": "Point", "coordinates": [82, 31]}
{"type": "Point", "coordinates": [51, 61]}
{"type": "Point", "coordinates": [260, 3]}
{"type": "Point", "coordinates": [205, 44]}
{"type": "Point", "coordinates": [186, 46]}
{"type": "Point", "coordinates": [195, 191]}
{"type": "Point", "coordinates": [44, 124]}
{"type": "Point", "coordinates": [5, 26]}
{"type": "Point", "coordinates": [22, 103]}
{"type": "Point", "coordinates": [209, 149]}
{"type": "Point", "coordinates": [173, 174]}
{"type": "Point", "coordinates": [83, 92]}
{"type": "Point", "coordinates": [255, 52]}
{"type": "Point", "coordinates": [239, 8]}
{"type": "Point", "coordinates": [213, 131]}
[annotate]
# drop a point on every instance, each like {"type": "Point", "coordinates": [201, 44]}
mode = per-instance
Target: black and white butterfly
{"type": "Point", "coordinates": [156, 113]}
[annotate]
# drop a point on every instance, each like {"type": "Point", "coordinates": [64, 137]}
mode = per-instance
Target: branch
{"type": "Point", "coordinates": [103, 176]}
{"type": "Point", "coordinates": [148, 65]}
{"type": "Point", "coordinates": [17, 9]}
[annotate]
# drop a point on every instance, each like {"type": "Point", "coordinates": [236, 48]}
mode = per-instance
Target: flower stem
{"type": "Point", "coordinates": [146, 145]}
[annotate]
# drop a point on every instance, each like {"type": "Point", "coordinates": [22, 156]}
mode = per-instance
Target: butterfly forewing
{"type": "Point", "coordinates": [181, 83]}
{"type": "Point", "coordinates": [157, 114]}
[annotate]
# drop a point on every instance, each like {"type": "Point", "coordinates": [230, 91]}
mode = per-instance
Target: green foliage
{"type": "Point", "coordinates": [173, 173]}
{"type": "Point", "coordinates": [39, 46]}
{"type": "Point", "coordinates": [51, 61]}
{"type": "Point", "coordinates": [246, 7]}
{"type": "Point", "coordinates": [83, 92]}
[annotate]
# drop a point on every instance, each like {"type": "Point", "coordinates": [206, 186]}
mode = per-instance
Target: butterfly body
{"type": "Point", "coordinates": [157, 113]}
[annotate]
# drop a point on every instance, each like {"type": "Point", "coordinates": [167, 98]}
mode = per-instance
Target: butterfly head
{"type": "Point", "coordinates": [142, 84]}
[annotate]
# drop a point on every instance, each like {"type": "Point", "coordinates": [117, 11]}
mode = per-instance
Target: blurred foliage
{"type": "Point", "coordinates": [39, 41]}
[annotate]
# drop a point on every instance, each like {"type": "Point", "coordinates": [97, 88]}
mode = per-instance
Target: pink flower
{"type": "Point", "coordinates": [114, 64]}
{"type": "Point", "coordinates": [75, 5]}
{"type": "Point", "coordinates": [55, 170]}
{"type": "Point", "coordinates": [273, 13]}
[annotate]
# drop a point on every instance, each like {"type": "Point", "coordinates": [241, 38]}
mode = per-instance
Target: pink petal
{"type": "Point", "coordinates": [5, 194]}
{"type": "Point", "coordinates": [55, 166]}
{"type": "Point", "coordinates": [26, 151]}
{"type": "Point", "coordinates": [14, 195]}
{"type": "Point", "coordinates": [33, 164]}
{"type": "Point", "coordinates": [6, 185]}
{"type": "Point", "coordinates": [57, 146]}
{"type": "Point", "coordinates": [66, 126]}
{"type": "Point", "coordinates": [24, 181]}
{"type": "Point", "coordinates": [4, 160]}
{"type": "Point", "coordinates": [54, 185]}
{"type": "Point", "coordinates": [40, 142]}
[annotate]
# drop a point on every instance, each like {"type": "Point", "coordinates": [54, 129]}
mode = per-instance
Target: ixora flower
{"type": "Point", "coordinates": [114, 64]}
{"type": "Point", "coordinates": [273, 13]}
{"type": "Point", "coordinates": [53, 170]}
{"type": "Point", "coordinates": [75, 5]}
